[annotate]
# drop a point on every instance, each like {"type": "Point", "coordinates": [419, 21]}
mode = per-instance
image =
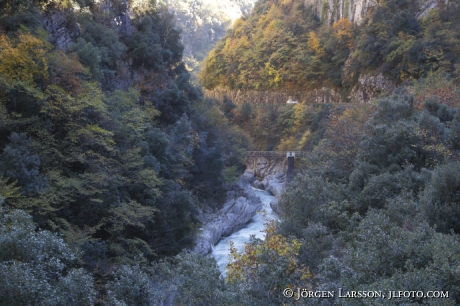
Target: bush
{"type": "Point", "coordinates": [37, 267]}
{"type": "Point", "coordinates": [441, 198]}
{"type": "Point", "coordinates": [131, 286]}
{"type": "Point", "coordinates": [17, 163]}
{"type": "Point", "coordinates": [309, 198]}
{"type": "Point", "coordinates": [89, 55]}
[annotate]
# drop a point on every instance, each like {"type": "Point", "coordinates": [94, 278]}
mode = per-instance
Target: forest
{"type": "Point", "coordinates": [374, 205]}
{"type": "Point", "coordinates": [108, 155]}
{"type": "Point", "coordinates": [103, 171]}
{"type": "Point", "coordinates": [284, 45]}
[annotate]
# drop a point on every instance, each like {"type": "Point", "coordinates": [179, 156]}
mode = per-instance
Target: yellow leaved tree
{"type": "Point", "coordinates": [271, 75]}
{"type": "Point", "coordinates": [315, 45]}
{"type": "Point", "coordinates": [23, 59]}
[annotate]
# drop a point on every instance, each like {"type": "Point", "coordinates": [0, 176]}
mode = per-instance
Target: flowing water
{"type": "Point", "coordinates": [255, 227]}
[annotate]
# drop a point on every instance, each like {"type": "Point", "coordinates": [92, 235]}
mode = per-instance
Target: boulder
{"type": "Point", "coordinates": [265, 183]}
{"type": "Point", "coordinates": [258, 184]}
{"type": "Point", "coordinates": [275, 187]}
{"type": "Point", "coordinates": [248, 175]}
{"type": "Point", "coordinates": [274, 205]}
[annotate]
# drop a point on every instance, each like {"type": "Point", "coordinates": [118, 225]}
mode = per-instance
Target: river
{"type": "Point", "coordinates": [255, 227]}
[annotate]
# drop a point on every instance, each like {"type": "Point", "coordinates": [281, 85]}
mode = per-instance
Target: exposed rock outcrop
{"type": "Point", "coordinates": [332, 10]}
{"type": "Point", "coordinates": [370, 87]}
{"type": "Point", "coordinates": [262, 167]}
{"type": "Point", "coordinates": [274, 205]}
{"type": "Point", "coordinates": [267, 174]}
{"type": "Point", "coordinates": [239, 208]}
{"type": "Point", "coordinates": [64, 33]}
{"type": "Point", "coordinates": [55, 22]}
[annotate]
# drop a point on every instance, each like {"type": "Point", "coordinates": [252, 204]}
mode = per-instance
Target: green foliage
{"type": "Point", "coordinates": [99, 48]}
{"type": "Point", "coordinates": [120, 171]}
{"type": "Point", "coordinates": [106, 40]}
{"type": "Point", "coordinates": [382, 225]}
{"type": "Point", "coordinates": [311, 199]}
{"type": "Point", "coordinates": [144, 46]}
{"type": "Point", "coordinates": [18, 164]}
{"type": "Point", "coordinates": [171, 280]}
{"type": "Point", "coordinates": [19, 13]}
{"type": "Point", "coordinates": [89, 55]}
{"type": "Point", "coordinates": [8, 191]}
{"type": "Point", "coordinates": [404, 47]}
{"type": "Point", "coordinates": [281, 126]}
{"type": "Point", "coordinates": [156, 43]}
{"type": "Point", "coordinates": [210, 290]}
{"type": "Point", "coordinates": [131, 286]}
{"type": "Point", "coordinates": [281, 45]}
{"type": "Point", "coordinates": [37, 267]}
{"type": "Point", "coordinates": [440, 199]}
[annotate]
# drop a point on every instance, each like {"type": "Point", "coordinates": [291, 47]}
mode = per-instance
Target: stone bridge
{"type": "Point", "coordinates": [276, 157]}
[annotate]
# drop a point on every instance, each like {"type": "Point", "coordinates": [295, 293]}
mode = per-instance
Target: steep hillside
{"type": "Point", "coordinates": [109, 156]}
{"type": "Point", "coordinates": [107, 150]}
{"type": "Point", "coordinates": [375, 203]}
{"type": "Point", "coordinates": [287, 46]}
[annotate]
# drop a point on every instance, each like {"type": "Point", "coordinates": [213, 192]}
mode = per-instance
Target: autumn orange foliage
{"type": "Point", "coordinates": [343, 29]}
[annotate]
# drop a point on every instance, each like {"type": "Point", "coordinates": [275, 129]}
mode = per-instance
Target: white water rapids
{"type": "Point", "coordinates": [255, 227]}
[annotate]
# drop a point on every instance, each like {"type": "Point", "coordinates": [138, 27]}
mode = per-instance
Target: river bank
{"type": "Point", "coordinates": [242, 204]}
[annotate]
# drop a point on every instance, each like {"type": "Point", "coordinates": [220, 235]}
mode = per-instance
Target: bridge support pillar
{"type": "Point", "coordinates": [290, 165]}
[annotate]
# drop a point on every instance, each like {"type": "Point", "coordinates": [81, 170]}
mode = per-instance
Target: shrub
{"type": "Point", "coordinates": [37, 267]}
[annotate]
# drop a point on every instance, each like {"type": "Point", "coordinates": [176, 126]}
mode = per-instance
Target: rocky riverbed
{"type": "Point", "coordinates": [242, 203]}
{"type": "Point", "coordinates": [255, 227]}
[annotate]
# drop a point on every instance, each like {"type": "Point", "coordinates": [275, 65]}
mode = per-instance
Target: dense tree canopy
{"type": "Point", "coordinates": [108, 155]}
{"type": "Point", "coordinates": [282, 45]}
{"type": "Point", "coordinates": [116, 166]}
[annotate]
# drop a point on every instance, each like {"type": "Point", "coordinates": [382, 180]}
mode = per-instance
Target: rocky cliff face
{"type": "Point", "coordinates": [56, 24]}
{"type": "Point", "coordinates": [63, 32]}
{"type": "Point", "coordinates": [367, 88]}
{"type": "Point", "coordinates": [332, 10]}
